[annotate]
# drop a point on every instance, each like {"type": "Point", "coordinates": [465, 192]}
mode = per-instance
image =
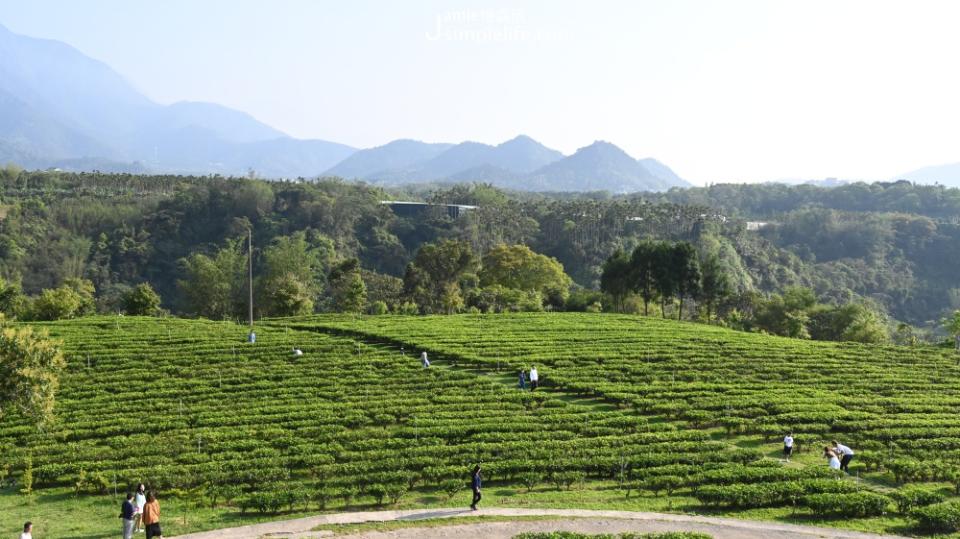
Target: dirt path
{"type": "Point", "coordinates": [586, 521]}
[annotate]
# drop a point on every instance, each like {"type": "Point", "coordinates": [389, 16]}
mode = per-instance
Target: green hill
{"type": "Point", "coordinates": [634, 413]}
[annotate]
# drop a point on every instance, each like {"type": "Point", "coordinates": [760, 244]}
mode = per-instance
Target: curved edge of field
{"type": "Point", "coordinates": [585, 520]}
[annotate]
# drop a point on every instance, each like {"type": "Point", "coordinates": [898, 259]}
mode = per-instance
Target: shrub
{"type": "Point", "coordinates": [909, 498]}
{"type": "Point", "coordinates": [940, 518]}
{"type": "Point", "coordinates": [378, 308]}
{"type": "Point", "coordinates": [855, 504]}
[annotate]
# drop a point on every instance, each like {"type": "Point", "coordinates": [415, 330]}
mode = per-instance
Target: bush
{"type": "Point", "coordinates": [856, 504]}
{"type": "Point", "coordinates": [142, 300]}
{"type": "Point", "coordinates": [378, 308]}
{"type": "Point", "coordinates": [939, 518]}
{"type": "Point", "coordinates": [909, 498]}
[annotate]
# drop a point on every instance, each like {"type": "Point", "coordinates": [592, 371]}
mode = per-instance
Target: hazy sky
{"type": "Point", "coordinates": [720, 91]}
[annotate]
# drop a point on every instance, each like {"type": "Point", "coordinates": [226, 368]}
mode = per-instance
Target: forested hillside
{"type": "Point", "coordinates": [892, 247]}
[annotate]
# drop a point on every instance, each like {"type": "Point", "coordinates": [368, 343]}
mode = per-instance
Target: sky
{"type": "Point", "coordinates": [738, 90]}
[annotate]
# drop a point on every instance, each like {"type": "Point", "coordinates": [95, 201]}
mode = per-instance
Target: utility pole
{"type": "Point", "coordinates": [253, 336]}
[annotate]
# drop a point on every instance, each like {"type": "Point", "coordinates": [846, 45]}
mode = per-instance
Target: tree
{"type": "Point", "coordinates": [55, 304]}
{"type": "Point", "coordinates": [87, 294]}
{"type": "Point", "coordinates": [142, 300]}
{"type": "Point", "coordinates": [685, 268]}
{"type": "Point", "coordinates": [215, 287]}
{"type": "Point", "coordinates": [664, 279]}
{"type": "Point", "coordinates": [519, 268]}
{"type": "Point", "coordinates": [11, 297]}
{"type": "Point", "coordinates": [714, 283]}
{"type": "Point", "coordinates": [616, 279]}
{"type": "Point", "coordinates": [292, 272]}
{"type": "Point", "coordinates": [432, 278]}
{"type": "Point", "coordinates": [952, 325]}
{"type": "Point", "coordinates": [30, 366]}
{"type": "Point", "coordinates": [288, 296]}
{"type": "Point", "coordinates": [644, 272]}
{"type": "Point", "coordinates": [347, 287]}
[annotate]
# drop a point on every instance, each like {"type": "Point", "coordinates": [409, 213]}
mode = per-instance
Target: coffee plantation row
{"type": "Point", "coordinates": [641, 405]}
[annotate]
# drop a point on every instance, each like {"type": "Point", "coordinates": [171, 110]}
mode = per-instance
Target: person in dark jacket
{"type": "Point", "coordinates": [126, 516]}
{"type": "Point", "coordinates": [523, 380]}
{"type": "Point", "coordinates": [475, 485]}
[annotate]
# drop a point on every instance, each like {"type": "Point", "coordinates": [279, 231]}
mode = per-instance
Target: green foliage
{"type": "Point", "coordinates": [432, 279]}
{"type": "Point", "coordinates": [11, 297]}
{"type": "Point", "coordinates": [55, 304]}
{"type": "Point", "coordinates": [292, 272]}
{"type": "Point", "coordinates": [938, 518]}
{"type": "Point", "coordinates": [26, 479]}
{"type": "Point", "coordinates": [348, 291]}
{"type": "Point", "coordinates": [854, 504]}
{"type": "Point", "coordinates": [214, 287]}
{"type": "Point", "coordinates": [378, 308]}
{"type": "Point", "coordinates": [519, 268]}
{"type": "Point", "coordinates": [142, 300]}
{"type": "Point", "coordinates": [30, 366]}
{"type": "Point", "coordinates": [911, 497]}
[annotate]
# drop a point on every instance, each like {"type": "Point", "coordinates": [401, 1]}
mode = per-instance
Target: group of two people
{"type": "Point", "coordinates": [140, 512]}
{"type": "Point", "coordinates": [534, 379]}
{"type": "Point", "coordinates": [838, 457]}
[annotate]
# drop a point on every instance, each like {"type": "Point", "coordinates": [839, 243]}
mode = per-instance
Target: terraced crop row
{"type": "Point", "coordinates": [186, 404]}
{"type": "Point", "coordinates": [897, 406]}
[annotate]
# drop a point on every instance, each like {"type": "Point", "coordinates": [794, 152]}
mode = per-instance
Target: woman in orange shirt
{"type": "Point", "coordinates": [151, 517]}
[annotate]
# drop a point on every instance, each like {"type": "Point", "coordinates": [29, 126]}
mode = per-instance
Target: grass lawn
{"type": "Point", "coordinates": [61, 514]}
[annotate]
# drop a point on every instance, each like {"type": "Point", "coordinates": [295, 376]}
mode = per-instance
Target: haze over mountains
{"type": "Point", "coordinates": [60, 108]}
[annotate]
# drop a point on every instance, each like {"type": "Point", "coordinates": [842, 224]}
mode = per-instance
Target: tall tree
{"type": "Point", "coordinates": [215, 287]}
{"type": "Point", "coordinates": [664, 278]}
{"type": "Point", "coordinates": [952, 324]}
{"type": "Point", "coordinates": [714, 283]}
{"type": "Point", "coordinates": [432, 279]}
{"type": "Point", "coordinates": [644, 272]}
{"type": "Point", "coordinates": [685, 268]}
{"type": "Point", "coordinates": [292, 273]}
{"type": "Point", "coordinates": [615, 280]}
{"type": "Point", "coordinates": [347, 287]}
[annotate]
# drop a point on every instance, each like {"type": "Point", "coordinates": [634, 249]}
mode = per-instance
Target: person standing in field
{"type": "Point", "coordinates": [151, 517]}
{"type": "Point", "coordinates": [788, 446]}
{"type": "Point", "coordinates": [534, 378]}
{"type": "Point", "coordinates": [27, 531]}
{"type": "Point", "coordinates": [126, 517]}
{"type": "Point", "coordinates": [475, 486]}
{"type": "Point", "coordinates": [846, 455]}
{"type": "Point", "coordinates": [423, 359]}
{"type": "Point", "coordinates": [139, 500]}
{"type": "Point", "coordinates": [523, 380]}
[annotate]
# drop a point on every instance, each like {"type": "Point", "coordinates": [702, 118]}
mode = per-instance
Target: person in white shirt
{"type": "Point", "coordinates": [788, 446]}
{"type": "Point", "coordinates": [139, 500]}
{"type": "Point", "coordinates": [297, 352]}
{"type": "Point", "coordinates": [27, 531]}
{"type": "Point", "coordinates": [534, 378]}
{"type": "Point", "coordinates": [846, 455]}
{"type": "Point", "coordinates": [423, 360]}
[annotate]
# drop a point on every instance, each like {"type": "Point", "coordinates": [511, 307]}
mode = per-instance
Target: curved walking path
{"type": "Point", "coordinates": [582, 520]}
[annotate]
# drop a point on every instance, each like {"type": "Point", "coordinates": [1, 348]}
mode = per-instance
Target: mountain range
{"type": "Point", "coordinates": [519, 163]}
{"type": "Point", "coordinates": [62, 109]}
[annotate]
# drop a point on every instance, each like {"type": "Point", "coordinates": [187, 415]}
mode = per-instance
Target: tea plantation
{"type": "Point", "coordinates": [633, 413]}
